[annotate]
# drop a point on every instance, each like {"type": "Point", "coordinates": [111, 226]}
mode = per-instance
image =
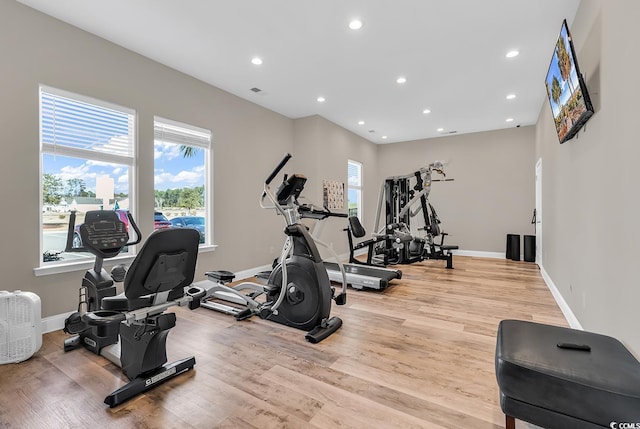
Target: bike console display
{"type": "Point", "coordinates": [102, 233]}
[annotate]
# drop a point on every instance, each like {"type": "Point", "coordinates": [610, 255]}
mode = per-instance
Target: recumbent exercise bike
{"type": "Point", "coordinates": [131, 329]}
{"type": "Point", "coordinates": [304, 302]}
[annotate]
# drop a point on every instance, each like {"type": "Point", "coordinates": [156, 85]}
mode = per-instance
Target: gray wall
{"type": "Point", "coordinates": [247, 141]}
{"type": "Point", "coordinates": [493, 192]}
{"type": "Point", "coordinates": [590, 204]}
{"type": "Point", "coordinates": [322, 152]}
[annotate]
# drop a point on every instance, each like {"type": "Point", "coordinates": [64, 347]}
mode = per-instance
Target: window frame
{"type": "Point", "coordinates": [129, 160]}
{"type": "Point", "coordinates": [358, 188]}
{"type": "Point", "coordinates": [195, 141]}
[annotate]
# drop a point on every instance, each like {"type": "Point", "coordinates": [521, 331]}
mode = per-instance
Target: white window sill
{"type": "Point", "coordinates": [69, 267]}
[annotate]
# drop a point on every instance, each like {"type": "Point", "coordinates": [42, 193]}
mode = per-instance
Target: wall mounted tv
{"type": "Point", "coordinates": [566, 89]}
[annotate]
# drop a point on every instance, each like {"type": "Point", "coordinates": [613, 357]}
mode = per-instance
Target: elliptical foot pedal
{"type": "Point", "coordinates": [244, 314]}
{"type": "Point", "coordinates": [323, 330]}
{"type": "Point", "coordinates": [221, 276]}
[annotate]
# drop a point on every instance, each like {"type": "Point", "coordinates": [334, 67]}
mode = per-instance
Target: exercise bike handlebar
{"type": "Point", "coordinates": [279, 167]}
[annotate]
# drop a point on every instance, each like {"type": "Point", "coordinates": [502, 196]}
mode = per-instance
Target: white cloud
{"type": "Point", "coordinates": [195, 177]}
{"type": "Point", "coordinates": [168, 151]}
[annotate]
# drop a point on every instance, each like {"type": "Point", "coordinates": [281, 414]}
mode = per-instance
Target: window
{"type": "Point", "coordinates": [181, 176]}
{"type": "Point", "coordinates": [354, 189]}
{"type": "Point", "coordinates": [87, 149]}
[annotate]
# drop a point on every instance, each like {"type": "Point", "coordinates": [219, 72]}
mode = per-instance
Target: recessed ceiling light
{"type": "Point", "coordinates": [426, 111]}
{"type": "Point", "coordinates": [440, 130]}
{"type": "Point", "coordinates": [256, 61]}
{"type": "Point", "coordinates": [320, 99]}
{"type": "Point", "coordinates": [511, 96]}
{"type": "Point", "coordinates": [512, 54]}
{"type": "Point", "coordinates": [401, 80]}
{"type": "Point", "coordinates": [384, 137]}
{"type": "Point", "coordinates": [355, 24]}
{"type": "Point", "coordinates": [360, 122]}
{"type": "Point", "coordinates": [509, 119]}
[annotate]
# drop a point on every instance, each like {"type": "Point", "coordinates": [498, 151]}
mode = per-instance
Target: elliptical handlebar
{"type": "Point", "coordinates": [279, 167]}
{"type": "Point", "coordinates": [311, 211]}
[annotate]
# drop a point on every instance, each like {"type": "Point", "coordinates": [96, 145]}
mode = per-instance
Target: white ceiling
{"type": "Point", "coordinates": [451, 52]}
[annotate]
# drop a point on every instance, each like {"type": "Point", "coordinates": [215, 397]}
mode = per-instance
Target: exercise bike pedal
{"type": "Point", "coordinates": [74, 324]}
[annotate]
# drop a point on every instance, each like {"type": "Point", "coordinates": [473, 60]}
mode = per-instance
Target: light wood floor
{"type": "Point", "coordinates": [418, 355]}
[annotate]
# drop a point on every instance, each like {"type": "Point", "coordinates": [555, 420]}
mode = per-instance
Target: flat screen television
{"type": "Point", "coordinates": [566, 89]}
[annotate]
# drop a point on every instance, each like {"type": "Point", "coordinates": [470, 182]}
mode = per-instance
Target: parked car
{"type": "Point", "coordinates": [159, 222]}
{"type": "Point", "coordinates": [194, 222]}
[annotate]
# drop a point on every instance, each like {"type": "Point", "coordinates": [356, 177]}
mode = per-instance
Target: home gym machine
{"type": "Point", "coordinates": [298, 292]}
{"type": "Point", "coordinates": [400, 194]}
{"type": "Point", "coordinates": [131, 329]}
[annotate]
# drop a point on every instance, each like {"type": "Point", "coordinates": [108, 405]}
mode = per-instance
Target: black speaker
{"type": "Point", "coordinates": [513, 247]}
{"type": "Point", "coordinates": [530, 248]}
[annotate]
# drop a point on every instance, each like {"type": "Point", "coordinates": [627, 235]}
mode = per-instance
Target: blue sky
{"type": "Point", "coordinates": [171, 170]}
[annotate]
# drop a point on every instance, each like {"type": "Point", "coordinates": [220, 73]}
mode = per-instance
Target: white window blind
{"type": "Point", "coordinates": [76, 126]}
{"type": "Point", "coordinates": [169, 131]}
{"type": "Point", "coordinates": [354, 173]}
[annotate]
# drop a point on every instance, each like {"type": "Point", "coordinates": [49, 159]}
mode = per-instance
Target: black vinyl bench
{"type": "Point", "coordinates": [564, 378]}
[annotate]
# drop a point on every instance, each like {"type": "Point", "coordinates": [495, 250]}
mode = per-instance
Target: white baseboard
{"type": "Point", "coordinates": [54, 323]}
{"type": "Point", "coordinates": [564, 307]}
{"type": "Point", "coordinates": [479, 254]}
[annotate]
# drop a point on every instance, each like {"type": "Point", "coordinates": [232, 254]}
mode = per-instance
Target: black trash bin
{"type": "Point", "coordinates": [513, 247]}
{"type": "Point", "coordinates": [530, 248]}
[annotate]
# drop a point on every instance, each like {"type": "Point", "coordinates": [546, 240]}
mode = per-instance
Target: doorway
{"type": "Point", "coordinates": [538, 217]}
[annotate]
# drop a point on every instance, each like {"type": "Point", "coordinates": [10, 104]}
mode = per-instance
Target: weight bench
{"type": "Point", "coordinates": [564, 378]}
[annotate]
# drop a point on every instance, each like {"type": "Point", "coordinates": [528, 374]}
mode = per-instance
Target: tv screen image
{"type": "Point", "coordinates": [567, 92]}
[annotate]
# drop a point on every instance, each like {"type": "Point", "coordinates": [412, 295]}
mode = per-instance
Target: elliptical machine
{"type": "Point", "coordinates": [298, 292]}
{"type": "Point", "coordinates": [131, 329]}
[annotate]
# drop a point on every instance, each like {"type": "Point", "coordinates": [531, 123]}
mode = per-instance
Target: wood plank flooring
{"type": "Point", "coordinates": [417, 355]}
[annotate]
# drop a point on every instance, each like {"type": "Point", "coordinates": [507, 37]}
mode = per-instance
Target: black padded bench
{"type": "Point", "coordinates": [567, 387]}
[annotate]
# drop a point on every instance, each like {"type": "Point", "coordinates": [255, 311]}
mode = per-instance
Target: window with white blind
{"type": "Point", "coordinates": [182, 177]}
{"type": "Point", "coordinates": [354, 188]}
{"type": "Point", "coordinates": [87, 149]}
